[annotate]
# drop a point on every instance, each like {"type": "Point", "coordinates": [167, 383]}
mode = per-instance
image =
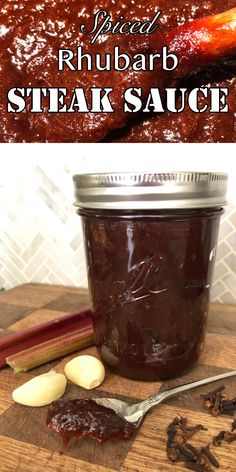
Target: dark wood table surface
{"type": "Point", "coordinates": [26, 445]}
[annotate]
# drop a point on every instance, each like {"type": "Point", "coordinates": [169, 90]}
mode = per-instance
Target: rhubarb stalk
{"type": "Point", "coordinates": [52, 349]}
{"type": "Point", "coordinates": [68, 325]}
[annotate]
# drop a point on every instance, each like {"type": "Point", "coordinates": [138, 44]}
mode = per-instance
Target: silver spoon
{"type": "Point", "coordinates": [135, 413]}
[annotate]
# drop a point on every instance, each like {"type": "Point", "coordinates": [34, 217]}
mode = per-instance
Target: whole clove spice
{"type": "Point", "coordinates": [213, 400]}
{"type": "Point", "coordinates": [178, 432]}
{"type": "Point", "coordinates": [226, 436]}
{"type": "Point", "coordinates": [179, 450]}
{"type": "Point", "coordinates": [212, 459]}
{"type": "Point", "coordinates": [172, 452]}
{"type": "Point", "coordinates": [219, 438]}
{"type": "Point", "coordinates": [229, 437]}
{"type": "Point", "coordinates": [216, 402]}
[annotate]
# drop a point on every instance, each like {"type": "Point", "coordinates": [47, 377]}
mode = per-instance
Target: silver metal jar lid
{"type": "Point", "coordinates": [167, 190]}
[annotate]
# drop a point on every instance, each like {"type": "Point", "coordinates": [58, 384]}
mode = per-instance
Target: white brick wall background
{"type": "Point", "coordinates": [224, 287]}
{"type": "Point", "coordinates": [40, 237]}
{"type": "Point", "coordinates": [40, 233]}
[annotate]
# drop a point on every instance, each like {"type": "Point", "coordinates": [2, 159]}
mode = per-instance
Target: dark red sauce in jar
{"type": "Point", "coordinates": [149, 274]}
{"type": "Point", "coordinates": [77, 418]}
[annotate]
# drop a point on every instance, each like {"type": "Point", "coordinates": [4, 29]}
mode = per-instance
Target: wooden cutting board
{"type": "Point", "coordinates": [26, 445]}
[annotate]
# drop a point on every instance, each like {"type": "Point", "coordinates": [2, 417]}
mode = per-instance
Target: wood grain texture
{"type": "Point", "coordinates": [26, 445]}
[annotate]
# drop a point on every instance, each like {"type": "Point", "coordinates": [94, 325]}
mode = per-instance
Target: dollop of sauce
{"type": "Point", "coordinates": [79, 418]}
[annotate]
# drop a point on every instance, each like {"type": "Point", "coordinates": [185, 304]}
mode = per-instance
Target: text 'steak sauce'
{"type": "Point", "coordinates": [150, 242]}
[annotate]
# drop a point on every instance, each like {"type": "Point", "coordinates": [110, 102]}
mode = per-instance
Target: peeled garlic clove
{"type": "Point", "coordinates": [41, 390]}
{"type": "Point", "coordinates": [86, 371]}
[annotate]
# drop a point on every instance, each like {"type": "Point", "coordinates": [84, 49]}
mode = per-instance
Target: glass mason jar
{"type": "Point", "coordinates": [150, 243]}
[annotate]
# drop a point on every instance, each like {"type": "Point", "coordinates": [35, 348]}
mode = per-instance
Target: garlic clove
{"type": "Point", "coordinates": [41, 390]}
{"type": "Point", "coordinates": [85, 371]}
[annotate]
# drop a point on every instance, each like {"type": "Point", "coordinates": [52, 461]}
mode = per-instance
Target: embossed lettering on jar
{"type": "Point", "coordinates": [150, 271]}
